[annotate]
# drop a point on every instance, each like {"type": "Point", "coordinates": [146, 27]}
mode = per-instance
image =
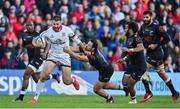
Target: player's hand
{"type": "Point", "coordinates": [87, 53]}
{"type": "Point", "coordinates": [124, 49]}
{"type": "Point", "coordinates": [66, 49]}
{"type": "Point", "coordinates": [120, 60]}
{"type": "Point", "coordinates": [152, 46]}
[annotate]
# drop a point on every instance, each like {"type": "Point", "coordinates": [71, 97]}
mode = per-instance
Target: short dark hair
{"type": "Point", "coordinates": [148, 13]}
{"type": "Point", "coordinates": [95, 44]}
{"type": "Point", "coordinates": [29, 23]}
{"type": "Point", "coordinates": [133, 26]}
{"type": "Point", "coordinates": [57, 18]}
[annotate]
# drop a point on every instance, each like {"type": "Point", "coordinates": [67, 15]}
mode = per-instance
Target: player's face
{"type": "Point", "coordinates": [89, 46]}
{"type": "Point", "coordinates": [56, 26]}
{"type": "Point", "coordinates": [147, 19]}
{"type": "Point", "coordinates": [30, 27]}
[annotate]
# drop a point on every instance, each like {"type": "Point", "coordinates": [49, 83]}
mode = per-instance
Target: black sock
{"type": "Point", "coordinates": [21, 96]}
{"type": "Point", "coordinates": [171, 87]}
{"type": "Point", "coordinates": [146, 86]}
{"type": "Point", "coordinates": [54, 76]}
{"type": "Point", "coordinates": [133, 98]}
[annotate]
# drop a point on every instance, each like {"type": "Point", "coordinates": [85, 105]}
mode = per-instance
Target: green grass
{"type": "Point", "coordinates": [81, 101]}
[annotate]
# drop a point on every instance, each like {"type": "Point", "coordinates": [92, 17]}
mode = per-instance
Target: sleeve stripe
{"type": "Point", "coordinates": [43, 33]}
{"type": "Point", "coordinates": [73, 36]}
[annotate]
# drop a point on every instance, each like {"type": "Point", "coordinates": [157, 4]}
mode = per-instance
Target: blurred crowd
{"type": "Point", "coordinates": [101, 19]}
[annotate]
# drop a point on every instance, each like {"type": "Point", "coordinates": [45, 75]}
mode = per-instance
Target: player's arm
{"type": "Point", "coordinates": [76, 39]}
{"type": "Point", "coordinates": [68, 50]}
{"type": "Point", "coordinates": [161, 37]}
{"type": "Point", "coordinates": [122, 59]}
{"type": "Point", "coordinates": [139, 46]}
{"type": "Point", "coordinates": [40, 41]}
{"type": "Point", "coordinates": [164, 35]}
{"type": "Point", "coordinates": [75, 49]}
{"type": "Point", "coordinates": [21, 48]}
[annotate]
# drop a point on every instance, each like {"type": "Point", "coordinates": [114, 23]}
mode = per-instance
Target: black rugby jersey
{"type": "Point", "coordinates": [136, 59]}
{"type": "Point", "coordinates": [27, 38]}
{"type": "Point", "coordinates": [98, 61]}
{"type": "Point", "coordinates": [153, 34]}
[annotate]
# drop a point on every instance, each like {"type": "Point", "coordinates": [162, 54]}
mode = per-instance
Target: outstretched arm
{"type": "Point", "coordinates": [75, 55]}
{"type": "Point", "coordinates": [139, 48]}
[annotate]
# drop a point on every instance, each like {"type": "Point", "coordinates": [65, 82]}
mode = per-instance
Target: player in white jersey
{"type": "Point", "coordinates": [57, 37]}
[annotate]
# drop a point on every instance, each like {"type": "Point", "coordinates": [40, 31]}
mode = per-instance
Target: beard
{"type": "Point", "coordinates": [56, 29]}
{"type": "Point", "coordinates": [147, 22]}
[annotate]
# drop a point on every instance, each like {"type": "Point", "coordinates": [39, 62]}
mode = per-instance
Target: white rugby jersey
{"type": "Point", "coordinates": [58, 40]}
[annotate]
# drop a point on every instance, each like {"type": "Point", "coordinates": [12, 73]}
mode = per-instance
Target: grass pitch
{"type": "Point", "coordinates": [81, 101]}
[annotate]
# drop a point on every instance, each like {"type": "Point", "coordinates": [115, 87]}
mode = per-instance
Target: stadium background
{"type": "Point", "coordinates": [102, 19]}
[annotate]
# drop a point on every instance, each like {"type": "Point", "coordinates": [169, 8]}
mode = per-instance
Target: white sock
{"type": "Point", "coordinates": [121, 87]}
{"type": "Point", "coordinates": [23, 92]}
{"type": "Point", "coordinates": [50, 76]}
{"type": "Point", "coordinates": [39, 87]}
{"type": "Point", "coordinates": [109, 96]}
{"type": "Point", "coordinates": [73, 79]}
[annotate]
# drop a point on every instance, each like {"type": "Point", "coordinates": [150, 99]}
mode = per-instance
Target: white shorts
{"type": "Point", "coordinates": [62, 60]}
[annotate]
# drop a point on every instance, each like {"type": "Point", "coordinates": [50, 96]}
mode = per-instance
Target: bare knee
{"type": "Point", "coordinates": [67, 81]}
{"type": "Point", "coordinates": [95, 90]}
{"type": "Point", "coordinates": [44, 77]}
{"type": "Point", "coordinates": [27, 74]}
{"type": "Point", "coordinates": [161, 72]}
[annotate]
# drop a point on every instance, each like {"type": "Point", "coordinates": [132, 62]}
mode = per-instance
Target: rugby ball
{"type": "Point", "coordinates": [41, 41]}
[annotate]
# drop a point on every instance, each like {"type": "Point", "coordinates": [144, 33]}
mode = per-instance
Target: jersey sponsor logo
{"type": "Point", "coordinates": [58, 41]}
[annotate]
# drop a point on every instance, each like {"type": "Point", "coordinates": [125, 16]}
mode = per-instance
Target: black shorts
{"type": "Point", "coordinates": [137, 73]}
{"type": "Point", "coordinates": [36, 62]}
{"type": "Point", "coordinates": [155, 59]}
{"type": "Point", "coordinates": [129, 70]}
{"type": "Point", "coordinates": [104, 76]}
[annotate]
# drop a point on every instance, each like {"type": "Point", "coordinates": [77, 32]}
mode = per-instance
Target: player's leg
{"type": "Point", "coordinates": [33, 66]}
{"type": "Point", "coordinates": [161, 72]}
{"type": "Point", "coordinates": [146, 80]}
{"type": "Point", "coordinates": [36, 75]}
{"type": "Point", "coordinates": [106, 77]}
{"type": "Point", "coordinates": [125, 80]}
{"type": "Point", "coordinates": [65, 63]}
{"type": "Point", "coordinates": [47, 69]}
{"type": "Point", "coordinates": [135, 77]}
{"type": "Point", "coordinates": [112, 86]}
{"type": "Point", "coordinates": [102, 84]}
{"type": "Point", "coordinates": [98, 89]}
{"type": "Point", "coordinates": [28, 72]}
{"type": "Point", "coordinates": [67, 79]}
{"type": "Point", "coordinates": [131, 84]}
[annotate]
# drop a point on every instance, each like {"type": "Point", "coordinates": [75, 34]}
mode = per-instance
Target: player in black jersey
{"type": "Point", "coordinates": [153, 37]}
{"type": "Point", "coordinates": [35, 59]}
{"type": "Point", "coordinates": [135, 55]}
{"type": "Point", "coordinates": [96, 59]}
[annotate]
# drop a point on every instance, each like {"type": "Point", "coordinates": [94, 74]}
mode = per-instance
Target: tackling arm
{"type": "Point", "coordinates": [75, 55]}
